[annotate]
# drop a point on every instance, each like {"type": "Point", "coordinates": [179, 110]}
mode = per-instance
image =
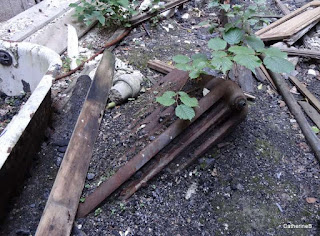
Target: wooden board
{"type": "Point", "coordinates": [292, 26]}
{"type": "Point", "coordinates": [28, 22]}
{"type": "Point", "coordinates": [301, 52]}
{"type": "Point", "coordinates": [54, 35]}
{"type": "Point", "coordinates": [311, 112]}
{"type": "Point", "coordinates": [59, 213]}
{"type": "Point", "coordinates": [312, 99]}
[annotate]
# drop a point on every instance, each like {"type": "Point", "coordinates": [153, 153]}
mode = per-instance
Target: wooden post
{"type": "Point", "coordinates": [59, 213]}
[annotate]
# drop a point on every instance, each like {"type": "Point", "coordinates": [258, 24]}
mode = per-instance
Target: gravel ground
{"type": "Point", "coordinates": [262, 177]}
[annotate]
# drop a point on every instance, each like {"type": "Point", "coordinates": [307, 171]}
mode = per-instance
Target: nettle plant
{"type": "Point", "coordinates": [235, 44]}
{"type": "Point", "coordinates": [107, 12]}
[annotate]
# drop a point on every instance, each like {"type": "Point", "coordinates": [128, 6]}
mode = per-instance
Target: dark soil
{"type": "Point", "coordinates": [256, 182]}
{"type": "Point", "coordinates": [9, 107]}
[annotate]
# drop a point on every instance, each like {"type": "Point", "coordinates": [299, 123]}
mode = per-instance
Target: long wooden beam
{"type": "Point", "coordinates": [59, 213]}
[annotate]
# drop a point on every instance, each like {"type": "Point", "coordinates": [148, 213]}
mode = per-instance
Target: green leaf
{"type": "Point", "coordinates": [225, 7]}
{"type": "Point", "coordinates": [221, 63]}
{"type": "Point", "coordinates": [181, 59]}
{"type": "Point", "coordinates": [254, 42]}
{"type": "Point", "coordinates": [187, 100]}
{"type": "Point", "coordinates": [199, 56]}
{"type": "Point", "coordinates": [219, 54]}
{"type": "Point", "coordinates": [228, 26]}
{"type": "Point", "coordinates": [273, 52]}
{"type": "Point", "coordinates": [241, 50]}
{"type": "Point", "coordinates": [166, 98]}
{"type": "Point", "coordinates": [184, 112]}
{"type": "Point", "coordinates": [203, 23]}
{"type": "Point", "coordinates": [97, 211]}
{"type": "Point", "coordinates": [184, 67]}
{"type": "Point", "coordinates": [199, 64]}
{"type": "Point", "coordinates": [194, 74]}
{"type": "Point", "coordinates": [83, 199]}
{"type": "Point", "coordinates": [278, 64]}
{"type": "Point", "coordinates": [217, 44]}
{"type": "Point", "coordinates": [124, 3]}
{"type": "Point", "coordinates": [101, 19]}
{"type": "Point", "coordinates": [233, 35]}
{"type": "Point", "coordinates": [249, 61]}
{"type": "Point", "coordinates": [213, 4]}
{"type": "Point", "coordinates": [315, 129]}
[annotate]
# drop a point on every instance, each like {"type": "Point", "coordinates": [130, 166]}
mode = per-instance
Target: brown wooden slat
{"type": "Point", "coordinates": [59, 213]}
{"type": "Point", "coordinates": [311, 112]}
{"type": "Point", "coordinates": [312, 99]}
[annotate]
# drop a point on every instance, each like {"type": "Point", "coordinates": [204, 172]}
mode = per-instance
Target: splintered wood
{"type": "Point", "coordinates": [291, 23]}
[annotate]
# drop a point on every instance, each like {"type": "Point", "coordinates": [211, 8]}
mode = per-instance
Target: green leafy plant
{"type": "Point", "coordinates": [235, 44]}
{"type": "Point", "coordinates": [185, 104]}
{"type": "Point", "coordinates": [107, 12]}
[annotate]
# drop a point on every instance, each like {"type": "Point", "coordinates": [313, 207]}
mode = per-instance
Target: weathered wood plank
{"type": "Point", "coordinates": [311, 112]}
{"type": "Point", "coordinates": [28, 22]}
{"type": "Point", "coordinates": [292, 26]}
{"type": "Point", "coordinates": [288, 17]}
{"type": "Point", "coordinates": [312, 99]}
{"type": "Point", "coordinates": [59, 213]}
{"type": "Point", "coordinates": [302, 52]}
{"type": "Point", "coordinates": [54, 36]}
{"type": "Point", "coordinates": [160, 66]}
{"type": "Point", "coordinates": [282, 7]}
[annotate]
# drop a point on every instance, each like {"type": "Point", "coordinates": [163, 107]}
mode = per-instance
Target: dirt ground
{"type": "Point", "coordinates": [256, 183]}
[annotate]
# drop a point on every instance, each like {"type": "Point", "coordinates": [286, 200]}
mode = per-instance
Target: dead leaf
{"type": "Point", "coordinates": [311, 200]}
{"type": "Point", "coordinates": [294, 90]}
{"type": "Point", "coordinates": [282, 104]}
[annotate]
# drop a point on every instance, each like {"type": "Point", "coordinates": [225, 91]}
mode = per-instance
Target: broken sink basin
{"type": "Point", "coordinates": [24, 67]}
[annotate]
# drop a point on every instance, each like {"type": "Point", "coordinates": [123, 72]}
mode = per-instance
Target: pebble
{"type": "Point", "coordinates": [312, 72]}
{"type": "Point", "coordinates": [62, 149]}
{"type": "Point", "coordinates": [185, 16]}
{"type": "Point", "coordinates": [90, 176]}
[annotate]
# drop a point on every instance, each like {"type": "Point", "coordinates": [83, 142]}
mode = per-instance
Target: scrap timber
{"type": "Point", "coordinates": [59, 213]}
{"type": "Point", "coordinates": [292, 23]}
{"type": "Point", "coordinates": [225, 98]}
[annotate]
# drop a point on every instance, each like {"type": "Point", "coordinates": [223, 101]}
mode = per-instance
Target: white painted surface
{"type": "Point", "coordinates": [35, 64]}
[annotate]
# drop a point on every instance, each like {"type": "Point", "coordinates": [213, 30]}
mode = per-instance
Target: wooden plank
{"type": "Point", "coordinates": [311, 98]}
{"type": "Point", "coordinates": [282, 7]}
{"type": "Point", "coordinates": [294, 38]}
{"type": "Point", "coordinates": [302, 52]}
{"type": "Point", "coordinates": [292, 26]}
{"type": "Point", "coordinates": [288, 17]}
{"type": "Point", "coordinates": [54, 36]}
{"type": "Point", "coordinates": [311, 112]}
{"type": "Point", "coordinates": [28, 22]}
{"type": "Point", "coordinates": [160, 66]}
{"type": "Point", "coordinates": [59, 213]}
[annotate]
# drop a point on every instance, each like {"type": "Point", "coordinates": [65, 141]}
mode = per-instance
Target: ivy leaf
{"type": "Point", "coordinates": [166, 98]}
{"type": "Point", "coordinates": [274, 52]}
{"type": "Point", "coordinates": [199, 56]}
{"type": "Point", "coordinates": [187, 100]}
{"type": "Point", "coordinates": [217, 44]}
{"type": "Point", "coordinates": [194, 74]}
{"type": "Point", "coordinates": [184, 67]}
{"type": "Point", "coordinates": [184, 112]}
{"type": "Point", "coordinates": [254, 42]}
{"type": "Point", "coordinates": [241, 50]}
{"type": "Point", "coordinates": [233, 35]}
{"type": "Point", "coordinates": [278, 64]}
{"type": "Point", "coordinates": [181, 59]}
{"type": "Point", "coordinates": [249, 61]}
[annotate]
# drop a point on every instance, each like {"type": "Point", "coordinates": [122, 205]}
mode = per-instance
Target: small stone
{"type": "Point", "coordinates": [33, 205]}
{"type": "Point", "coordinates": [185, 16]}
{"type": "Point", "coordinates": [61, 142]}
{"type": "Point", "coordinates": [62, 149]}
{"type": "Point", "coordinates": [90, 176]}
{"type": "Point", "coordinates": [151, 138]}
{"type": "Point", "coordinates": [312, 72]}
{"type": "Point", "coordinates": [240, 187]}
{"type": "Point", "coordinates": [58, 161]}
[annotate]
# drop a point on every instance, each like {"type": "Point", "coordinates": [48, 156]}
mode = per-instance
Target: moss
{"type": "Point", "coordinates": [267, 150]}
